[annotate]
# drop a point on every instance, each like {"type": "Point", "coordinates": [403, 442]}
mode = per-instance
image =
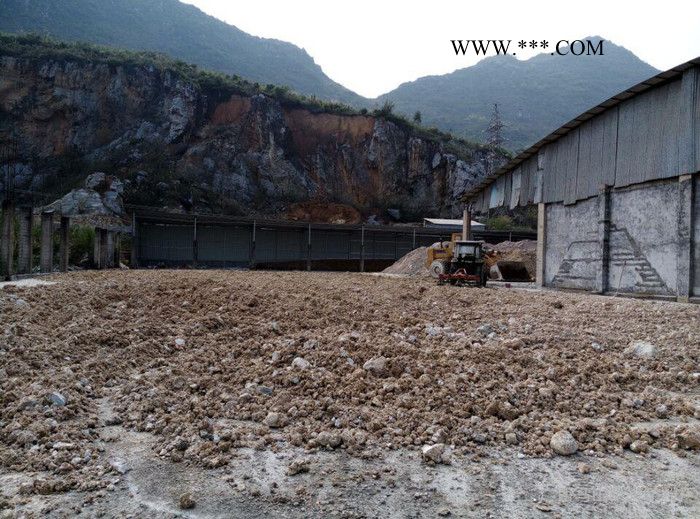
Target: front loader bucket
{"type": "Point", "coordinates": [513, 271]}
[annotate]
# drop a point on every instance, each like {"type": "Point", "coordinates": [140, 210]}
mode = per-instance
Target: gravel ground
{"type": "Point", "coordinates": [115, 387]}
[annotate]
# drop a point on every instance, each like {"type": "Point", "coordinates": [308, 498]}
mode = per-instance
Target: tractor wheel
{"type": "Point", "coordinates": [437, 267]}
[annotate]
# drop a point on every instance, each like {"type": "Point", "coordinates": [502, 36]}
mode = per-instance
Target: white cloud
{"type": "Point", "coordinates": [373, 46]}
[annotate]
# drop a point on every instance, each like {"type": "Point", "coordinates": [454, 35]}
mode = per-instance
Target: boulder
{"type": "Point", "coordinates": [563, 443]}
{"type": "Point", "coordinates": [57, 399]}
{"type": "Point", "coordinates": [298, 466]}
{"type": "Point", "coordinates": [376, 366]}
{"type": "Point", "coordinates": [485, 330]}
{"type": "Point", "coordinates": [101, 194]}
{"type": "Point", "coordinates": [273, 420]}
{"type": "Point", "coordinates": [433, 453]}
{"type": "Point", "coordinates": [97, 181]}
{"type": "Point", "coordinates": [186, 501]}
{"type": "Point", "coordinates": [328, 439]}
{"type": "Point", "coordinates": [688, 439]}
{"type": "Point", "coordinates": [301, 363]}
{"type": "Point", "coordinates": [639, 446]}
{"type": "Point", "coordinates": [641, 349]}
{"type": "Point", "coordinates": [81, 201]}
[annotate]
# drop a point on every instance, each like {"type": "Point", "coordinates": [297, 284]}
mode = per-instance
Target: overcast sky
{"type": "Point", "coordinates": [372, 46]}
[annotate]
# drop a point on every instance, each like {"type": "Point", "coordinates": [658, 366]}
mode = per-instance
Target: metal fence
{"type": "Point", "coordinates": [176, 240]}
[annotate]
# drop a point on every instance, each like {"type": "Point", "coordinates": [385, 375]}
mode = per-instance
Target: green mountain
{"type": "Point", "coordinates": [180, 30]}
{"type": "Point", "coordinates": [534, 96]}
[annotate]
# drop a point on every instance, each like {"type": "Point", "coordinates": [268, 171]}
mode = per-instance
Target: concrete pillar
{"type": "Point", "coordinates": [685, 237]}
{"type": "Point", "coordinates": [46, 254]}
{"type": "Point", "coordinates": [116, 259]}
{"type": "Point", "coordinates": [134, 243]}
{"type": "Point", "coordinates": [24, 263]}
{"type": "Point", "coordinates": [362, 248]}
{"type": "Point", "coordinates": [308, 249]}
{"type": "Point", "coordinates": [101, 249]}
{"type": "Point", "coordinates": [64, 247]}
{"type": "Point", "coordinates": [96, 250]}
{"type": "Point", "coordinates": [541, 237]}
{"type": "Point", "coordinates": [601, 279]}
{"type": "Point", "coordinates": [252, 247]}
{"type": "Point", "coordinates": [195, 251]}
{"type": "Point", "coordinates": [7, 240]}
{"type": "Point", "coordinates": [109, 250]}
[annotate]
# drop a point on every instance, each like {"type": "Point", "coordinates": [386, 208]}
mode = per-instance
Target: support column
{"type": "Point", "coordinates": [252, 248]}
{"type": "Point", "coordinates": [46, 254]}
{"type": "Point", "coordinates": [97, 249]}
{"type": "Point", "coordinates": [195, 251]}
{"type": "Point", "coordinates": [134, 243]}
{"type": "Point", "coordinates": [102, 252]}
{"type": "Point", "coordinates": [104, 248]}
{"type": "Point", "coordinates": [109, 250]}
{"type": "Point", "coordinates": [541, 237]}
{"type": "Point", "coordinates": [308, 250]}
{"type": "Point", "coordinates": [362, 248]}
{"type": "Point", "coordinates": [601, 276]}
{"type": "Point", "coordinates": [7, 240]}
{"type": "Point", "coordinates": [117, 258]}
{"type": "Point", "coordinates": [24, 265]}
{"type": "Point", "coordinates": [64, 248]}
{"type": "Point", "coordinates": [685, 238]}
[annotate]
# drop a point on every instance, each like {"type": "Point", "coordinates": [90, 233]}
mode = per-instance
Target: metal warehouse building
{"type": "Point", "coordinates": [618, 192]}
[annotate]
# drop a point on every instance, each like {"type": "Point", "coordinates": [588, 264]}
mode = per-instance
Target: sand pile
{"type": "Point", "coordinates": [210, 361]}
{"type": "Point", "coordinates": [412, 264]}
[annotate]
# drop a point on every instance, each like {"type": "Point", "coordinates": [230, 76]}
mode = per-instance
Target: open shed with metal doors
{"type": "Point", "coordinates": [617, 192]}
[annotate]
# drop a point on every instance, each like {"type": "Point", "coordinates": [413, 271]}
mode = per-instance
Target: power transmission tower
{"type": "Point", "coordinates": [495, 129]}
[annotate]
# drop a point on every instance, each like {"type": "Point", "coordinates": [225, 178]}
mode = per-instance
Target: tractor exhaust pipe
{"type": "Point", "coordinates": [467, 223]}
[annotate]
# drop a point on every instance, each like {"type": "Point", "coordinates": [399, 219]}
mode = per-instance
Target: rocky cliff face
{"type": "Point", "coordinates": [179, 145]}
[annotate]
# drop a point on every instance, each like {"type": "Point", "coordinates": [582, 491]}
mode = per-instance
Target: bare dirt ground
{"type": "Point", "coordinates": [281, 394]}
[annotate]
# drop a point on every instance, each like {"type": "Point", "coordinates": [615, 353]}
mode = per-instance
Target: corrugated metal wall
{"type": "Point", "coordinates": [176, 240]}
{"type": "Point", "coordinates": [222, 244]}
{"type": "Point", "coordinates": [168, 243]}
{"type": "Point", "coordinates": [652, 135]}
{"type": "Point", "coordinates": [228, 245]}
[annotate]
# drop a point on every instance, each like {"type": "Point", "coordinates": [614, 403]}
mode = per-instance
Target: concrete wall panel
{"type": "Point", "coordinates": [644, 239]}
{"type": "Point", "coordinates": [572, 253]}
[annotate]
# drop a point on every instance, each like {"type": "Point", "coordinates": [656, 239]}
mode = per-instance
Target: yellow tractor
{"type": "Point", "coordinates": [458, 262]}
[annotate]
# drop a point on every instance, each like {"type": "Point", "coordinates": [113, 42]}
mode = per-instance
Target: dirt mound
{"type": "Point", "coordinates": [522, 245]}
{"type": "Point", "coordinates": [211, 361]}
{"type": "Point", "coordinates": [524, 251]}
{"type": "Point", "coordinates": [412, 264]}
